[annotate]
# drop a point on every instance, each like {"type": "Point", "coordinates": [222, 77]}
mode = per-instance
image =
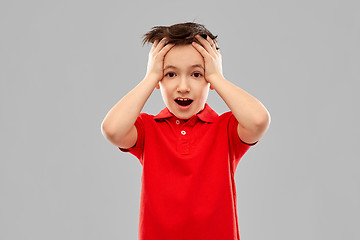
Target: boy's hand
{"type": "Point", "coordinates": [212, 57]}
{"type": "Point", "coordinates": [156, 58]}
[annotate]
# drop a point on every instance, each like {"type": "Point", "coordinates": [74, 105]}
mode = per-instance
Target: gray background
{"type": "Point", "coordinates": [64, 64]}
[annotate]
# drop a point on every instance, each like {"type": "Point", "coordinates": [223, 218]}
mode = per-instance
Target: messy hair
{"type": "Point", "coordinates": [180, 34]}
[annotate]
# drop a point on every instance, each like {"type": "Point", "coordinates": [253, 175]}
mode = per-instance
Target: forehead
{"type": "Point", "coordinates": [183, 56]}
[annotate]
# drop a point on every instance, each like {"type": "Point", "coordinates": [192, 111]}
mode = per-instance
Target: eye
{"type": "Point", "coordinates": [170, 74]}
{"type": "Point", "coordinates": [197, 74]}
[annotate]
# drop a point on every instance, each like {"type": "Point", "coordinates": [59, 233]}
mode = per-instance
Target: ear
{"type": "Point", "coordinates": [157, 86]}
{"type": "Point", "coordinates": [211, 88]}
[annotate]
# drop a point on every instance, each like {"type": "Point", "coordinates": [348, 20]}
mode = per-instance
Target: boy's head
{"type": "Point", "coordinates": [184, 88]}
{"type": "Point", "coordinates": [180, 34]}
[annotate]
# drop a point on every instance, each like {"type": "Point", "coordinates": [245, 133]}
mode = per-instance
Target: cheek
{"type": "Point", "coordinates": [168, 84]}
{"type": "Point", "coordinates": [202, 90]}
{"type": "Point", "coordinates": [165, 89]}
{"type": "Point", "coordinates": [202, 85]}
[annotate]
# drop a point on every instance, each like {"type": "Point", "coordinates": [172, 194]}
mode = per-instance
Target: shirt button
{"type": "Point", "coordinates": [177, 122]}
{"type": "Point", "coordinates": [183, 132]}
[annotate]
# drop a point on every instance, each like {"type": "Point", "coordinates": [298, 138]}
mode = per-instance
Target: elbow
{"type": "Point", "coordinates": [109, 134]}
{"type": "Point", "coordinates": [106, 132]}
{"type": "Point", "coordinates": [262, 122]}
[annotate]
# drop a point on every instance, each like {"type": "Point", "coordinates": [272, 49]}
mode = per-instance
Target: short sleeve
{"type": "Point", "coordinates": [137, 149]}
{"type": "Point", "coordinates": [237, 147]}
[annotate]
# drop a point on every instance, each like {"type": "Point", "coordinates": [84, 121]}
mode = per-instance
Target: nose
{"type": "Point", "coordinates": [183, 85]}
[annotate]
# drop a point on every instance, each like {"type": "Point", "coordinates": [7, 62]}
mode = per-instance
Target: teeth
{"type": "Point", "coordinates": [183, 99]}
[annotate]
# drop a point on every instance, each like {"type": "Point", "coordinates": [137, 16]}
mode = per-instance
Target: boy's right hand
{"type": "Point", "coordinates": [156, 58]}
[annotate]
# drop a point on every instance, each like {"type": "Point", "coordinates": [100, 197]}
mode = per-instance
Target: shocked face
{"type": "Point", "coordinates": [184, 88]}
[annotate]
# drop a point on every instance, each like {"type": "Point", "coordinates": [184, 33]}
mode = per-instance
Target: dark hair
{"type": "Point", "coordinates": [180, 34]}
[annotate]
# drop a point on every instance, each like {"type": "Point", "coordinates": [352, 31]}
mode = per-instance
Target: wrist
{"type": "Point", "coordinates": [214, 79]}
{"type": "Point", "coordinates": [154, 78]}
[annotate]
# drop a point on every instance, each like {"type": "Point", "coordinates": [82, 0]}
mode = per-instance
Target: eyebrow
{"type": "Point", "coordinates": [192, 66]}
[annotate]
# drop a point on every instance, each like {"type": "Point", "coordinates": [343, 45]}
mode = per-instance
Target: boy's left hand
{"type": "Point", "coordinates": [212, 57]}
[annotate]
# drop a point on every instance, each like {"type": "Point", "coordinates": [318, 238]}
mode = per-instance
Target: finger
{"type": "Point", "coordinates": [200, 49]}
{"type": "Point", "coordinates": [166, 49]}
{"type": "Point", "coordinates": [160, 45]}
{"type": "Point", "coordinates": [211, 41]}
{"type": "Point", "coordinates": [154, 45]}
{"type": "Point", "coordinates": [216, 46]}
{"type": "Point", "coordinates": [205, 43]}
{"type": "Point", "coordinates": [213, 44]}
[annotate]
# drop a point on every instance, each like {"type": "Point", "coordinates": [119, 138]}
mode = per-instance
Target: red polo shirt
{"type": "Point", "coordinates": [188, 189]}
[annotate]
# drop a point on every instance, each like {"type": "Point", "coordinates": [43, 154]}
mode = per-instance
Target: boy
{"type": "Point", "coordinates": [188, 152]}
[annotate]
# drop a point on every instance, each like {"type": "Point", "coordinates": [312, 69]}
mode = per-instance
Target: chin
{"type": "Point", "coordinates": [181, 115]}
{"type": "Point", "coordinates": [184, 116]}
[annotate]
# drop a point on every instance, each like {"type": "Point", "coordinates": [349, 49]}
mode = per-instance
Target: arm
{"type": "Point", "coordinates": [253, 117]}
{"type": "Point", "coordinates": [251, 114]}
{"type": "Point", "coordinates": [118, 125]}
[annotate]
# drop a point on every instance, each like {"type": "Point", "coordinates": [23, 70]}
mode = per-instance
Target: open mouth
{"type": "Point", "coordinates": [183, 101]}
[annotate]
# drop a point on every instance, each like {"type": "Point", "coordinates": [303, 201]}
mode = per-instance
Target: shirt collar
{"type": "Point", "coordinates": [206, 115]}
